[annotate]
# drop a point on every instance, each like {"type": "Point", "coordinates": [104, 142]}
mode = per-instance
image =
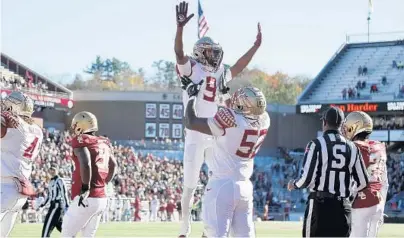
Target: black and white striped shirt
{"type": "Point", "coordinates": [57, 191]}
{"type": "Point", "coordinates": [331, 164]}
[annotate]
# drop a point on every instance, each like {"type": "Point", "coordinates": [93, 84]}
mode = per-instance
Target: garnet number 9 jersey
{"type": "Point", "coordinates": [19, 148]}
{"type": "Point", "coordinates": [235, 149]}
{"type": "Point", "coordinates": [101, 152]}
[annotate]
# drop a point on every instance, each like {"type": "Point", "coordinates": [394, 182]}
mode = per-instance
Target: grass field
{"type": "Point", "coordinates": [264, 229]}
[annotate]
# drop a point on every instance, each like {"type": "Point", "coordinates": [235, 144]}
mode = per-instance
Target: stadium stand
{"type": "Point", "coordinates": [354, 64]}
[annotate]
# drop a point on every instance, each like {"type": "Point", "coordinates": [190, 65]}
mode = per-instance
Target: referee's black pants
{"type": "Point", "coordinates": [53, 219]}
{"type": "Point", "coordinates": [327, 216]}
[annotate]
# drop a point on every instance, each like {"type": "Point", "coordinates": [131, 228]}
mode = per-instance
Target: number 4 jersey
{"type": "Point", "coordinates": [237, 141]}
{"type": "Point", "coordinates": [19, 148]}
{"type": "Point", "coordinates": [208, 97]}
{"type": "Point", "coordinates": [100, 151]}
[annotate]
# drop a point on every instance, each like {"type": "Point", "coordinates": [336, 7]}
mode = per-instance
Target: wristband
{"type": "Point", "coordinates": [85, 187]}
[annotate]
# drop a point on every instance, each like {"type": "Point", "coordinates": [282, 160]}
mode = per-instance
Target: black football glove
{"type": "Point", "coordinates": [185, 81]}
{"type": "Point", "coordinates": [193, 89]}
{"type": "Point", "coordinates": [222, 84]}
{"type": "Point", "coordinates": [84, 193]}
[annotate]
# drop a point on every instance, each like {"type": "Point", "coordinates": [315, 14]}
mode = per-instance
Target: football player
{"type": "Point", "coordinates": [368, 206]}
{"type": "Point", "coordinates": [21, 140]}
{"type": "Point", "coordinates": [239, 132]}
{"type": "Point", "coordinates": [95, 166]}
{"type": "Point", "coordinates": [205, 65]}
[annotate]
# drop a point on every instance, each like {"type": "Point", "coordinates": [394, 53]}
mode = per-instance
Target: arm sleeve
{"type": "Point", "coordinates": [360, 174]}
{"type": "Point", "coordinates": [47, 197]}
{"type": "Point", "coordinates": [190, 70]}
{"type": "Point", "coordinates": [308, 167]}
{"type": "Point", "coordinates": [63, 191]}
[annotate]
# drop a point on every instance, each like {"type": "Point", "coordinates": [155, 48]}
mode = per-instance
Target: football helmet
{"type": "Point", "coordinates": [249, 101]}
{"type": "Point", "coordinates": [18, 103]}
{"type": "Point", "coordinates": [208, 53]}
{"type": "Point", "coordinates": [355, 123]}
{"type": "Point", "coordinates": [84, 122]}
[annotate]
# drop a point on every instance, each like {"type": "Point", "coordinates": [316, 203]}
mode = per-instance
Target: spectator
{"type": "Point", "coordinates": [373, 88]}
{"type": "Point", "coordinates": [384, 80]}
{"type": "Point", "coordinates": [360, 71]}
{"type": "Point", "coordinates": [350, 93]}
{"type": "Point", "coordinates": [358, 85]}
{"type": "Point", "coordinates": [394, 64]}
{"type": "Point", "coordinates": [363, 84]}
{"type": "Point", "coordinates": [343, 93]}
{"type": "Point", "coordinates": [365, 70]}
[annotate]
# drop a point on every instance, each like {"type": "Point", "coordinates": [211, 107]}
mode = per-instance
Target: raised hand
{"type": "Point", "coordinates": [258, 41]}
{"type": "Point", "coordinates": [182, 14]}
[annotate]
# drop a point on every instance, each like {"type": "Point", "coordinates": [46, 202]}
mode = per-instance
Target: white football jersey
{"type": "Point", "coordinates": [237, 141]}
{"type": "Point", "coordinates": [19, 148]}
{"type": "Point", "coordinates": [208, 97]}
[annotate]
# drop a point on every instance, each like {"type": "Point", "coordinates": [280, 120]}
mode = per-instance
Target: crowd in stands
{"type": "Point", "coordinates": [388, 122]}
{"type": "Point", "coordinates": [10, 80]}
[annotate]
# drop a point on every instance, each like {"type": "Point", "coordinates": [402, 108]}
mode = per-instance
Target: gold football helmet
{"type": "Point", "coordinates": [248, 101]}
{"type": "Point", "coordinates": [18, 103]}
{"type": "Point", "coordinates": [355, 123]}
{"type": "Point", "coordinates": [84, 122]}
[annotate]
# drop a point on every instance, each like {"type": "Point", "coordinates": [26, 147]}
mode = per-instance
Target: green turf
{"type": "Point", "coordinates": [163, 229]}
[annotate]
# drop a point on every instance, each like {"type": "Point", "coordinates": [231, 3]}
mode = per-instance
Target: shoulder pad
{"type": "Point", "coordinates": [225, 118]}
{"type": "Point", "coordinates": [83, 141]}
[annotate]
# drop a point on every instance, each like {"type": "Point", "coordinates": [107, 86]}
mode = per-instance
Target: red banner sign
{"type": "Point", "coordinates": [44, 100]}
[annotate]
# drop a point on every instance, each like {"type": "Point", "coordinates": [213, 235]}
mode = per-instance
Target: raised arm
{"type": "Point", "coordinates": [242, 63]}
{"type": "Point", "coordinates": [182, 20]}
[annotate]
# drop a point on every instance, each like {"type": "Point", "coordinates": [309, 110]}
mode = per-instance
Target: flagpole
{"type": "Point", "coordinates": [370, 11]}
{"type": "Point", "coordinates": [368, 29]}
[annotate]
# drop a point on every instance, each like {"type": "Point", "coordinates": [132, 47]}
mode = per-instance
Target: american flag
{"type": "Point", "coordinates": [202, 23]}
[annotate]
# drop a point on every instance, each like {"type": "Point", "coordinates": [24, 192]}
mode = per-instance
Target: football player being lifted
{"type": "Point", "coordinates": [368, 206]}
{"type": "Point", "coordinates": [94, 167]}
{"type": "Point", "coordinates": [238, 132]}
{"type": "Point", "coordinates": [204, 65]}
{"type": "Point", "coordinates": [21, 140]}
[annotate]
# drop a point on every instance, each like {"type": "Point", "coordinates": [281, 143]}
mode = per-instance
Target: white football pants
{"type": "Point", "coordinates": [11, 203]}
{"type": "Point", "coordinates": [84, 219]}
{"type": "Point", "coordinates": [367, 221]}
{"type": "Point", "coordinates": [194, 156]}
{"type": "Point", "coordinates": [227, 205]}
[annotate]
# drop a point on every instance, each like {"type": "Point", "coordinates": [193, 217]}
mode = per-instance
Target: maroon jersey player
{"type": "Point", "coordinates": [94, 168]}
{"type": "Point", "coordinates": [368, 206]}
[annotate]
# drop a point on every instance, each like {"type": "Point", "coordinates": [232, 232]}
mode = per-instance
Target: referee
{"type": "Point", "coordinates": [331, 166]}
{"type": "Point", "coordinates": [59, 202]}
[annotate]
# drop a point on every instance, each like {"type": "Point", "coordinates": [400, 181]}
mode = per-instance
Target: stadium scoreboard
{"type": "Point", "coordinates": [350, 107]}
{"type": "Point", "coordinates": [373, 108]}
{"type": "Point", "coordinates": [164, 120]}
